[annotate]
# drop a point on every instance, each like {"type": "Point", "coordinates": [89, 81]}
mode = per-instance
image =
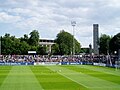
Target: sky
{"type": "Point", "coordinates": [49, 17]}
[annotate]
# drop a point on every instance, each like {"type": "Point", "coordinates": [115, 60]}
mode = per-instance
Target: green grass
{"type": "Point", "coordinates": [66, 77]}
{"type": "Point", "coordinates": [101, 75]}
{"type": "Point", "coordinates": [20, 78]}
{"type": "Point", "coordinates": [53, 80]}
{"type": "Point", "coordinates": [4, 70]}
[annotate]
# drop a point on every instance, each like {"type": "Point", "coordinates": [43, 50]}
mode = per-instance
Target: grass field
{"type": "Point", "coordinates": [71, 77]}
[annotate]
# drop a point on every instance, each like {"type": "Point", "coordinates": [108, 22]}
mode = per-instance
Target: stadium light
{"type": "Point", "coordinates": [73, 23]}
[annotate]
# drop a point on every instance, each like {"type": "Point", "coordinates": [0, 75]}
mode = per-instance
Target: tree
{"type": "Point", "coordinates": [41, 50]}
{"type": "Point", "coordinates": [65, 43]}
{"type": "Point", "coordinates": [104, 44]}
{"type": "Point", "coordinates": [55, 49]}
{"type": "Point", "coordinates": [13, 45]}
{"type": "Point", "coordinates": [16, 46]}
{"type": "Point", "coordinates": [84, 50]}
{"type": "Point", "coordinates": [115, 43]}
{"type": "Point", "coordinates": [34, 38]}
{"type": "Point", "coordinates": [7, 35]}
{"type": "Point", "coordinates": [25, 38]}
{"type": "Point", "coordinates": [6, 44]}
{"type": "Point", "coordinates": [24, 48]}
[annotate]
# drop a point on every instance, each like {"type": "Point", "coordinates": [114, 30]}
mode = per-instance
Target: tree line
{"type": "Point", "coordinates": [12, 45]}
{"type": "Point", "coordinates": [109, 44]}
{"type": "Point", "coordinates": [64, 44]}
{"type": "Point", "coordinates": [21, 46]}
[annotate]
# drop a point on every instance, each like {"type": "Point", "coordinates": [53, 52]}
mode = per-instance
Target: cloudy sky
{"type": "Point", "coordinates": [19, 17]}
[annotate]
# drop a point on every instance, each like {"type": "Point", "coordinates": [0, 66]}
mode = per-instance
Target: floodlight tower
{"type": "Point", "coordinates": [73, 23]}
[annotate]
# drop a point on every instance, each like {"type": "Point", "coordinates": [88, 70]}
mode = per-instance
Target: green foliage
{"type": "Point", "coordinates": [24, 48]}
{"type": "Point", "coordinates": [34, 38]}
{"type": "Point", "coordinates": [65, 43]}
{"type": "Point", "coordinates": [7, 44]}
{"type": "Point", "coordinates": [25, 38]}
{"type": "Point", "coordinates": [84, 50]}
{"type": "Point", "coordinates": [63, 46]}
{"type": "Point", "coordinates": [104, 43]}
{"type": "Point", "coordinates": [41, 50]}
{"type": "Point", "coordinates": [55, 49]}
{"type": "Point", "coordinates": [13, 45]}
{"type": "Point", "coordinates": [115, 43]}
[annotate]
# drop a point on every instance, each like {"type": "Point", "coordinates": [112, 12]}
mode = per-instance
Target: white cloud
{"type": "Point", "coordinates": [6, 18]}
{"type": "Point", "coordinates": [51, 16]}
{"type": "Point", "coordinates": [114, 3]}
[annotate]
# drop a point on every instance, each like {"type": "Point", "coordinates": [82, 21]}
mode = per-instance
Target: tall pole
{"type": "Point", "coordinates": [109, 58]}
{"type": "Point", "coordinates": [73, 23]}
{"type": "Point", "coordinates": [118, 58]}
{"type": "Point", "coordinates": [117, 63]}
{"type": "Point", "coordinates": [90, 51]}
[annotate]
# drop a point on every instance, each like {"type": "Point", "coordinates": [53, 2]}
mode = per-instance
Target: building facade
{"type": "Point", "coordinates": [48, 43]}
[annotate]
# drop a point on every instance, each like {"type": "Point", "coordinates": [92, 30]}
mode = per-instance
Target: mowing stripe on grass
{"type": "Point", "coordinates": [107, 70]}
{"type": "Point", "coordinates": [4, 70]}
{"type": "Point", "coordinates": [68, 77]}
{"type": "Point", "coordinates": [101, 75]}
{"type": "Point", "coordinates": [21, 78]}
{"type": "Point", "coordinates": [84, 79]}
{"type": "Point", "coordinates": [51, 80]}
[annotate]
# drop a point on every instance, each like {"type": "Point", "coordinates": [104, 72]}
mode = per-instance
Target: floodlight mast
{"type": "Point", "coordinates": [73, 23]}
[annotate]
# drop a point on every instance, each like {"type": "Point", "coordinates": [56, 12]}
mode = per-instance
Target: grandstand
{"type": "Point", "coordinates": [47, 43]}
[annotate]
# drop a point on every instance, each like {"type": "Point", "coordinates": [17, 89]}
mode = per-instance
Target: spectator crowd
{"type": "Point", "coordinates": [58, 58]}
